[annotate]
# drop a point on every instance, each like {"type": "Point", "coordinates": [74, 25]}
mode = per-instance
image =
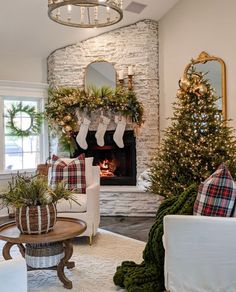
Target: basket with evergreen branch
{"type": "Point", "coordinates": [34, 202]}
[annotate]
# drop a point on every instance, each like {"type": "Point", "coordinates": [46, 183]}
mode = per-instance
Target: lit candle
{"type": "Point", "coordinates": [69, 8]}
{"type": "Point", "coordinates": [130, 70]}
{"type": "Point", "coordinates": [121, 75]}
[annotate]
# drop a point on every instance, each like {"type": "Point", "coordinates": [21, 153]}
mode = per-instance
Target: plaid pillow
{"type": "Point", "coordinates": [72, 174]}
{"type": "Point", "coordinates": [216, 195]}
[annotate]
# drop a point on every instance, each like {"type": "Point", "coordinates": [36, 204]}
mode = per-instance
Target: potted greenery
{"type": "Point", "coordinates": [34, 202]}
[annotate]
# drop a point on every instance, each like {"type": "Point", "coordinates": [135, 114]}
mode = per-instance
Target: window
{"type": "Point", "coordinates": [17, 152]}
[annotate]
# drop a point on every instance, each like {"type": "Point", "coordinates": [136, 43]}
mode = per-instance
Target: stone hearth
{"type": "Point", "coordinates": [127, 201]}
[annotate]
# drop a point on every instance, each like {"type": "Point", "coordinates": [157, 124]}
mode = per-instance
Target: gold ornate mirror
{"type": "Point", "coordinates": [216, 73]}
{"type": "Point", "coordinates": [100, 73]}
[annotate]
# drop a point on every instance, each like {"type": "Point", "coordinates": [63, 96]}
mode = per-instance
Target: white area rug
{"type": "Point", "coordinates": [95, 265]}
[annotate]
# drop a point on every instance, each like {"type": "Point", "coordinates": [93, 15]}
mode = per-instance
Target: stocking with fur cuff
{"type": "Point", "coordinates": [101, 130]}
{"type": "Point", "coordinates": [119, 132]}
{"type": "Point", "coordinates": [83, 131]}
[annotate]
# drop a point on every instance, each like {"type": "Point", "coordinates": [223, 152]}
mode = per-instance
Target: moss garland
{"type": "Point", "coordinates": [35, 123]}
{"type": "Point", "coordinates": [149, 275]}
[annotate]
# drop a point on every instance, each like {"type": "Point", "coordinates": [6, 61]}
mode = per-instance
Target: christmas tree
{"type": "Point", "coordinates": [197, 141]}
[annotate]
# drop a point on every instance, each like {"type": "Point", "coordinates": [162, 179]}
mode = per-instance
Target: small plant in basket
{"type": "Point", "coordinates": [34, 202]}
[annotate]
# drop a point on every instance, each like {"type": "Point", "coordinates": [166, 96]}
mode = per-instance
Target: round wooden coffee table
{"type": "Point", "coordinates": [64, 231]}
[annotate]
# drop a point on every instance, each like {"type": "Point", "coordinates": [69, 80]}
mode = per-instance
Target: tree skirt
{"type": "Point", "coordinates": [95, 265]}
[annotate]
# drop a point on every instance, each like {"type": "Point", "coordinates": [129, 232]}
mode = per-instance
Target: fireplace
{"type": "Point", "coordinates": [117, 165]}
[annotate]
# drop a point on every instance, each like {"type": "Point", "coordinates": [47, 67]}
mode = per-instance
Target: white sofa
{"type": "Point", "coordinates": [13, 275]}
{"type": "Point", "coordinates": [88, 208]}
{"type": "Point", "coordinates": [200, 253]}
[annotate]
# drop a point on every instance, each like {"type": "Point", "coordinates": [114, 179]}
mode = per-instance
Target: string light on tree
{"type": "Point", "coordinates": [192, 144]}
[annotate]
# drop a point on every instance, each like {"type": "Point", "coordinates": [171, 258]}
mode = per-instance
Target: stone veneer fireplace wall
{"type": "Point", "coordinates": [137, 45]}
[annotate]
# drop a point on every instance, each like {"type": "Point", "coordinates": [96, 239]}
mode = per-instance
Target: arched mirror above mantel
{"type": "Point", "coordinates": [99, 74]}
{"type": "Point", "coordinates": [216, 73]}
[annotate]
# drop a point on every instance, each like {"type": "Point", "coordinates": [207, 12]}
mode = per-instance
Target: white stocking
{"type": "Point", "coordinates": [83, 131]}
{"type": "Point", "coordinates": [102, 127]}
{"type": "Point", "coordinates": [119, 132]}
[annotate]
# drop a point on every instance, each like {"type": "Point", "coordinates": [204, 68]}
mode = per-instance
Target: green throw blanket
{"type": "Point", "coordinates": [149, 275]}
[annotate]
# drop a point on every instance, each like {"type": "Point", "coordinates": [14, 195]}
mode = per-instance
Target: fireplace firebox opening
{"type": "Point", "coordinates": [117, 165]}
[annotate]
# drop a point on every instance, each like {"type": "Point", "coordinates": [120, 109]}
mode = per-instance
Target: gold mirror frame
{"type": "Point", "coordinates": [99, 61]}
{"type": "Point", "coordinates": [203, 58]}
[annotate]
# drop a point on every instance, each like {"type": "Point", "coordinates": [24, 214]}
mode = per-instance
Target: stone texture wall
{"type": "Point", "coordinates": [128, 201]}
{"type": "Point", "coordinates": [136, 45]}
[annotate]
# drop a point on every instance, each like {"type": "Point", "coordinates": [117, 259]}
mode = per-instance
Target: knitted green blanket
{"type": "Point", "coordinates": [149, 275]}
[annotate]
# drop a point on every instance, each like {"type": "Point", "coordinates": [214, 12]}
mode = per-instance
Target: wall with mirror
{"type": "Point", "coordinates": [100, 73]}
{"type": "Point", "coordinates": [186, 30]}
{"type": "Point", "coordinates": [216, 73]}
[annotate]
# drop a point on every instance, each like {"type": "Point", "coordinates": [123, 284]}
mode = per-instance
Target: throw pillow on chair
{"type": "Point", "coordinates": [72, 173]}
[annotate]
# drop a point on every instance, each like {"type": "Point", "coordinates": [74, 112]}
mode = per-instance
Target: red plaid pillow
{"type": "Point", "coordinates": [72, 174]}
{"type": "Point", "coordinates": [216, 195]}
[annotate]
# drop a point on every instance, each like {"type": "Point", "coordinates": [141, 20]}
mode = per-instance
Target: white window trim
{"type": "Point", "coordinates": [10, 88]}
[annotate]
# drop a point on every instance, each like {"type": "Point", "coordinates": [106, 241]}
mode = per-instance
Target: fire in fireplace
{"type": "Point", "coordinates": [107, 168]}
{"type": "Point", "coordinates": [117, 165]}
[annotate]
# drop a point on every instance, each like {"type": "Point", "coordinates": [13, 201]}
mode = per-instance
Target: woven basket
{"type": "Point", "coordinates": [36, 219]}
{"type": "Point", "coordinates": [44, 255]}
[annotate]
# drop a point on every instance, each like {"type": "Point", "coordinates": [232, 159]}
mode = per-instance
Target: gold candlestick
{"type": "Point", "coordinates": [130, 82]}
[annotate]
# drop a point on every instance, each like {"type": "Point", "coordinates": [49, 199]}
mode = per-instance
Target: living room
{"type": "Point", "coordinates": [147, 53]}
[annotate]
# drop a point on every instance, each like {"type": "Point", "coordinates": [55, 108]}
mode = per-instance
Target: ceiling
{"type": "Point", "coordinates": [26, 30]}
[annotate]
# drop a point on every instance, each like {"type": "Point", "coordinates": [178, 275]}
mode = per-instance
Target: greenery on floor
{"type": "Point", "coordinates": [149, 275]}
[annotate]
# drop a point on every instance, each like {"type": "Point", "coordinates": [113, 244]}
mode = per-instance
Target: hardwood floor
{"type": "Point", "coordinates": [134, 227]}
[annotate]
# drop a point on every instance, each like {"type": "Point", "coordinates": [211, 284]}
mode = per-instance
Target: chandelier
{"type": "Point", "coordinates": [85, 13]}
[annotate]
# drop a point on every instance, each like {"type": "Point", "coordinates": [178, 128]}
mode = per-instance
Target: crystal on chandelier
{"type": "Point", "coordinates": [85, 13]}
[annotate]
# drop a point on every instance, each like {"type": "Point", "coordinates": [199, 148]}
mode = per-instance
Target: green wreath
{"type": "Point", "coordinates": [35, 120]}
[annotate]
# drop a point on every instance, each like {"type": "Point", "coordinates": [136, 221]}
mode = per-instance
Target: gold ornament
{"type": "Point", "coordinates": [67, 128]}
{"type": "Point", "coordinates": [67, 118]}
{"type": "Point", "coordinates": [196, 78]}
{"type": "Point", "coordinates": [184, 84]}
{"type": "Point", "coordinates": [180, 93]}
{"type": "Point", "coordinates": [200, 89]}
{"type": "Point", "coordinates": [61, 123]}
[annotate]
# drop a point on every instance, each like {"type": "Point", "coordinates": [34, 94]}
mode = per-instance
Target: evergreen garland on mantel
{"type": "Point", "coordinates": [65, 103]}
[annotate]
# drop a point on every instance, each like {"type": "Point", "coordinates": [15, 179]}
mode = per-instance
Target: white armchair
{"type": "Point", "coordinates": [200, 253]}
{"type": "Point", "coordinates": [13, 275]}
{"type": "Point", "coordinates": [88, 208]}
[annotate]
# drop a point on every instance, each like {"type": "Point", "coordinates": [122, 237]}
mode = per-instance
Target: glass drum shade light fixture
{"type": "Point", "coordinates": [85, 13]}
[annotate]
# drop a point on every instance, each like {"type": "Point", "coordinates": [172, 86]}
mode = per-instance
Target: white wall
{"type": "Point", "coordinates": [25, 69]}
{"type": "Point", "coordinates": [188, 29]}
